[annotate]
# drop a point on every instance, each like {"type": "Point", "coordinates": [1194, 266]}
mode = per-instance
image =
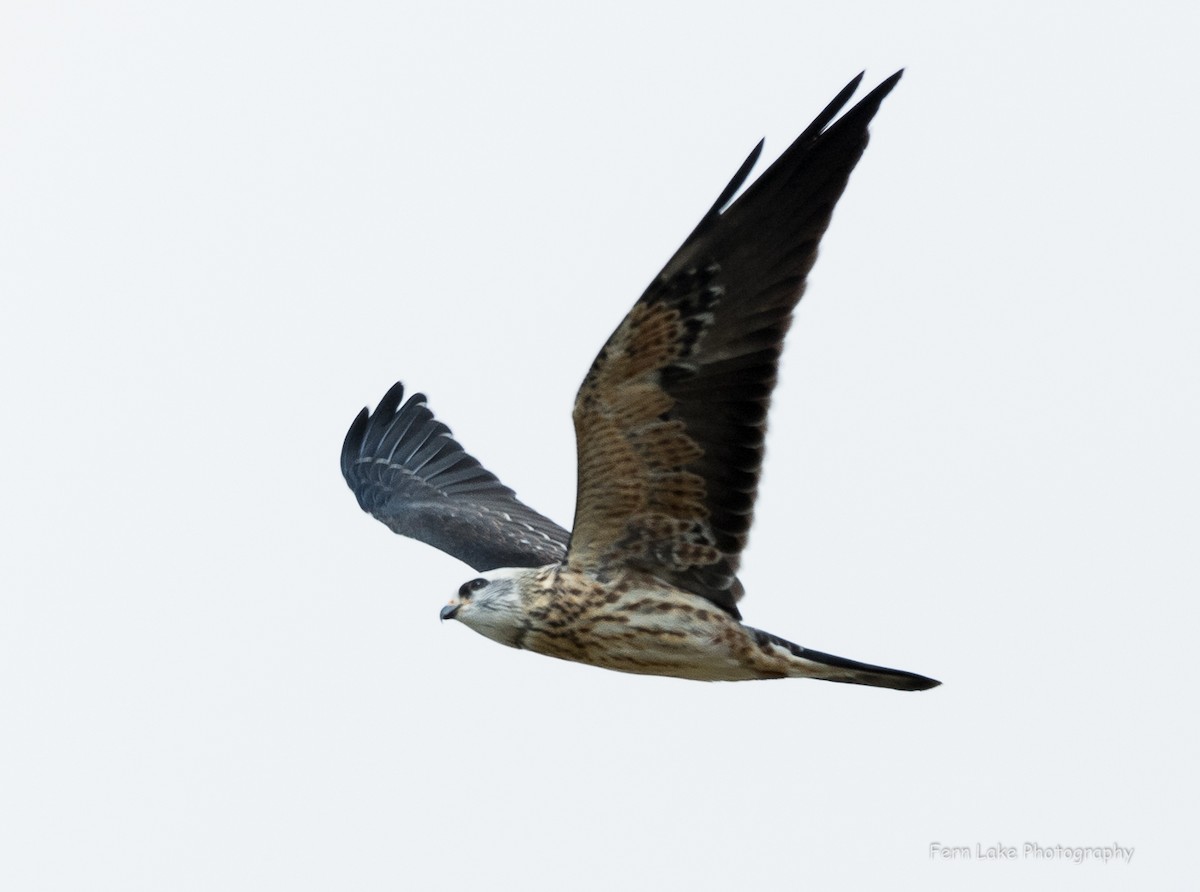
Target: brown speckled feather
{"type": "Point", "coordinates": [671, 418]}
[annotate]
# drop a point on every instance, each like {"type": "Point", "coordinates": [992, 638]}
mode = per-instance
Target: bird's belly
{"type": "Point", "coordinates": [670, 633]}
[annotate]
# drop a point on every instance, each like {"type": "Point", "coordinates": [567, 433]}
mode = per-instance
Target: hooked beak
{"type": "Point", "coordinates": [449, 611]}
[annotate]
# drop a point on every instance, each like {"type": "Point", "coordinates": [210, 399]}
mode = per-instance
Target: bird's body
{"type": "Point", "coordinates": [670, 425]}
{"type": "Point", "coordinates": [636, 623]}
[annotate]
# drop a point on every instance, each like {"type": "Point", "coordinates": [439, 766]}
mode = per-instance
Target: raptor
{"type": "Point", "coordinates": [670, 424]}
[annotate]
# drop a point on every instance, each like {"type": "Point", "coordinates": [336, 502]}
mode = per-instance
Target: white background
{"type": "Point", "coordinates": [224, 227]}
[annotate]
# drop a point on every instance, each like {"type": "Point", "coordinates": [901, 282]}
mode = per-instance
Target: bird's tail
{"type": "Point", "coordinates": [814, 664]}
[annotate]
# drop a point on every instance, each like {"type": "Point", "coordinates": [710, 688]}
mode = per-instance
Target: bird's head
{"type": "Point", "coordinates": [491, 604]}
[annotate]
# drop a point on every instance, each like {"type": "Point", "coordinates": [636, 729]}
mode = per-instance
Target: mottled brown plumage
{"type": "Point", "coordinates": [671, 418]}
{"type": "Point", "coordinates": [670, 424]}
{"type": "Point", "coordinates": [634, 623]}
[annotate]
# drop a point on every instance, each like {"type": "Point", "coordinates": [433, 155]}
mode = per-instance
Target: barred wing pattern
{"type": "Point", "coordinates": [408, 472]}
{"type": "Point", "coordinates": [671, 418]}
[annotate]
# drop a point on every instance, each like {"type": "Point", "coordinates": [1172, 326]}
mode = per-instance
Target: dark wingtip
{"type": "Point", "coordinates": [829, 112]}
{"type": "Point", "coordinates": [887, 84]}
{"type": "Point", "coordinates": [353, 442]}
{"type": "Point", "coordinates": [734, 184]}
{"type": "Point", "coordinates": [740, 176]}
{"type": "Point", "coordinates": [391, 401]}
{"type": "Point", "coordinates": [871, 102]}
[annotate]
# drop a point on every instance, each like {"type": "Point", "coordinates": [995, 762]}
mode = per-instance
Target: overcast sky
{"type": "Point", "coordinates": [225, 227]}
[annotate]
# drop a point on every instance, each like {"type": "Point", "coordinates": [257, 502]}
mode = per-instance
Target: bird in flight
{"type": "Point", "coordinates": [670, 423]}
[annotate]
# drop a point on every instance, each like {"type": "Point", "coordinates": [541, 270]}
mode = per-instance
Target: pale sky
{"type": "Point", "coordinates": [226, 227]}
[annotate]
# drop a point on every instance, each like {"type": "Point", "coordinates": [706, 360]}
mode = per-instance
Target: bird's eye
{"type": "Point", "coordinates": [473, 586]}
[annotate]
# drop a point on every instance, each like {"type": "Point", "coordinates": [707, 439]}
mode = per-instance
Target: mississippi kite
{"type": "Point", "coordinates": [670, 423]}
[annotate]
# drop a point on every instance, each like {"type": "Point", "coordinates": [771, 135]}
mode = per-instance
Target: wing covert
{"type": "Point", "coordinates": [408, 472]}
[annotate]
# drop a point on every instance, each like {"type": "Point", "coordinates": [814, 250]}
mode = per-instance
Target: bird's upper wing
{"type": "Point", "coordinates": [408, 472]}
{"type": "Point", "coordinates": [670, 420]}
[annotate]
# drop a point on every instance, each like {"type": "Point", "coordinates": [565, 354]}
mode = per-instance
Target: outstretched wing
{"type": "Point", "coordinates": [409, 473]}
{"type": "Point", "coordinates": [670, 420]}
